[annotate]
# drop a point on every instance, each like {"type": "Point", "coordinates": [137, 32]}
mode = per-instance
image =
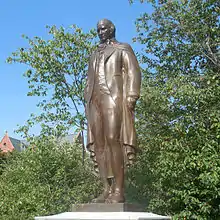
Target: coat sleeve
{"type": "Point", "coordinates": [88, 78]}
{"type": "Point", "coordinates": [132, 69]}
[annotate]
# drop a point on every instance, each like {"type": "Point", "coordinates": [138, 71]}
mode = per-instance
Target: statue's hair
{"type": "Point", "coordinates": [111, 25]}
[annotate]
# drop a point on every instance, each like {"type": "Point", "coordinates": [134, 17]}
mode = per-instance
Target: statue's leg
{"type": "Point", "coordinates": [112, 117]}
{"type": "Point", "coordinates": [96, 123]}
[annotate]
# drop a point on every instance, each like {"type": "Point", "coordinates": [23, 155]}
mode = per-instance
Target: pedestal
{"type": "Point", "coordinates": [103, 207]}
{"type": "Point", "coordinates": [103, 216]}
{"type": "Point", "coordinates": [103, 211]}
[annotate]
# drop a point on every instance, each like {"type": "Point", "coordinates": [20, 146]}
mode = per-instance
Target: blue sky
{"type": "Point", "coordinates": [30, 18]}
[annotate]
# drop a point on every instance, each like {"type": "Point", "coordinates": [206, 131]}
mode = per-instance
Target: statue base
{"type": "Point", "coordinates": [102, 211]}
{"type": "Point", "coordinates": [103, 207]}
{"type": "Point", "coordinates": [104, 216]}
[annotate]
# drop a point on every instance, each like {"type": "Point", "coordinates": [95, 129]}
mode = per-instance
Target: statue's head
{"type": "Point", "coordinates": [106, 30]}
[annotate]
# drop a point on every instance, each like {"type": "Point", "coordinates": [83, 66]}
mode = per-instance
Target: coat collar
{"type": "Point", "coordinates": [108, 48]}
{"type": "Point", "coordinates": [108, 42]}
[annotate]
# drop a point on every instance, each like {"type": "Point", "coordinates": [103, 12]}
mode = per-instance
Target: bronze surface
{"type": "Point", "coordinates": [113, 87]}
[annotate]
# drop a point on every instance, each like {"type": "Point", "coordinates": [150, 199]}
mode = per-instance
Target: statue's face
{"type": "Point", "coordinates": [104, 31]}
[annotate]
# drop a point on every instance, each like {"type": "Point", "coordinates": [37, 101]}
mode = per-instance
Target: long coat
{"type": "Point", "coordinates": [123, 79]}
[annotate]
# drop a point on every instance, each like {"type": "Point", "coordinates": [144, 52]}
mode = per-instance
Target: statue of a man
{"type": "Point", "coordinates": [113, 87]}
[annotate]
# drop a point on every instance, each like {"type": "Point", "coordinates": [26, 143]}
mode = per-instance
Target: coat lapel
{"type": "Point", "coordinates": [108, 52]}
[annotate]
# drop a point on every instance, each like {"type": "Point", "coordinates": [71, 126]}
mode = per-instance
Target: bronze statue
{"type": "Point", "coordinates": [113, 87]}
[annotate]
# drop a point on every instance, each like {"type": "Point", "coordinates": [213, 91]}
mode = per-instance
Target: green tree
{"type": "Point", "coordinates": [45, 180]}
{"type": "Point", "coordinates": [3, 159]}
{"type": "Point", "coordinates": [178, 116]}
{"type": "Point", "coordinates": [56, 73]}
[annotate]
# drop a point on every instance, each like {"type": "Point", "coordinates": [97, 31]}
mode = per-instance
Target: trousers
{"type": "Point", "coordinates": [106, 123]}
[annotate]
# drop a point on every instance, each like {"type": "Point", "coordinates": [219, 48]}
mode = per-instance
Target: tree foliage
{"type": "Point", "coordinates": [45, 180]}
{"type": "Point", "coordinates": [4, 159]}
{"type": "Point", "coordinates": [56, 73]}
{"type": "Point", "coordinates": [178, 118]}
{"type": "Point", "coordinates": [178, 114]}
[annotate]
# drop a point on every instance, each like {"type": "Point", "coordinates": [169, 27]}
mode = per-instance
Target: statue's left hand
{"type": "Point", "coordinates": [131, 101]}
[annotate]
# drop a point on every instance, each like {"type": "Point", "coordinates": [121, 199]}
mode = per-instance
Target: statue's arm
{"type": "Point", "coordinates": [132, 69]}
{"type": "Point", "coordinates": [86, 90]}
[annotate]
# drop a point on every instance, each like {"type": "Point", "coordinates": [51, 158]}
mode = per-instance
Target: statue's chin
{"type": "Point", "coordinates": [103, 41]}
